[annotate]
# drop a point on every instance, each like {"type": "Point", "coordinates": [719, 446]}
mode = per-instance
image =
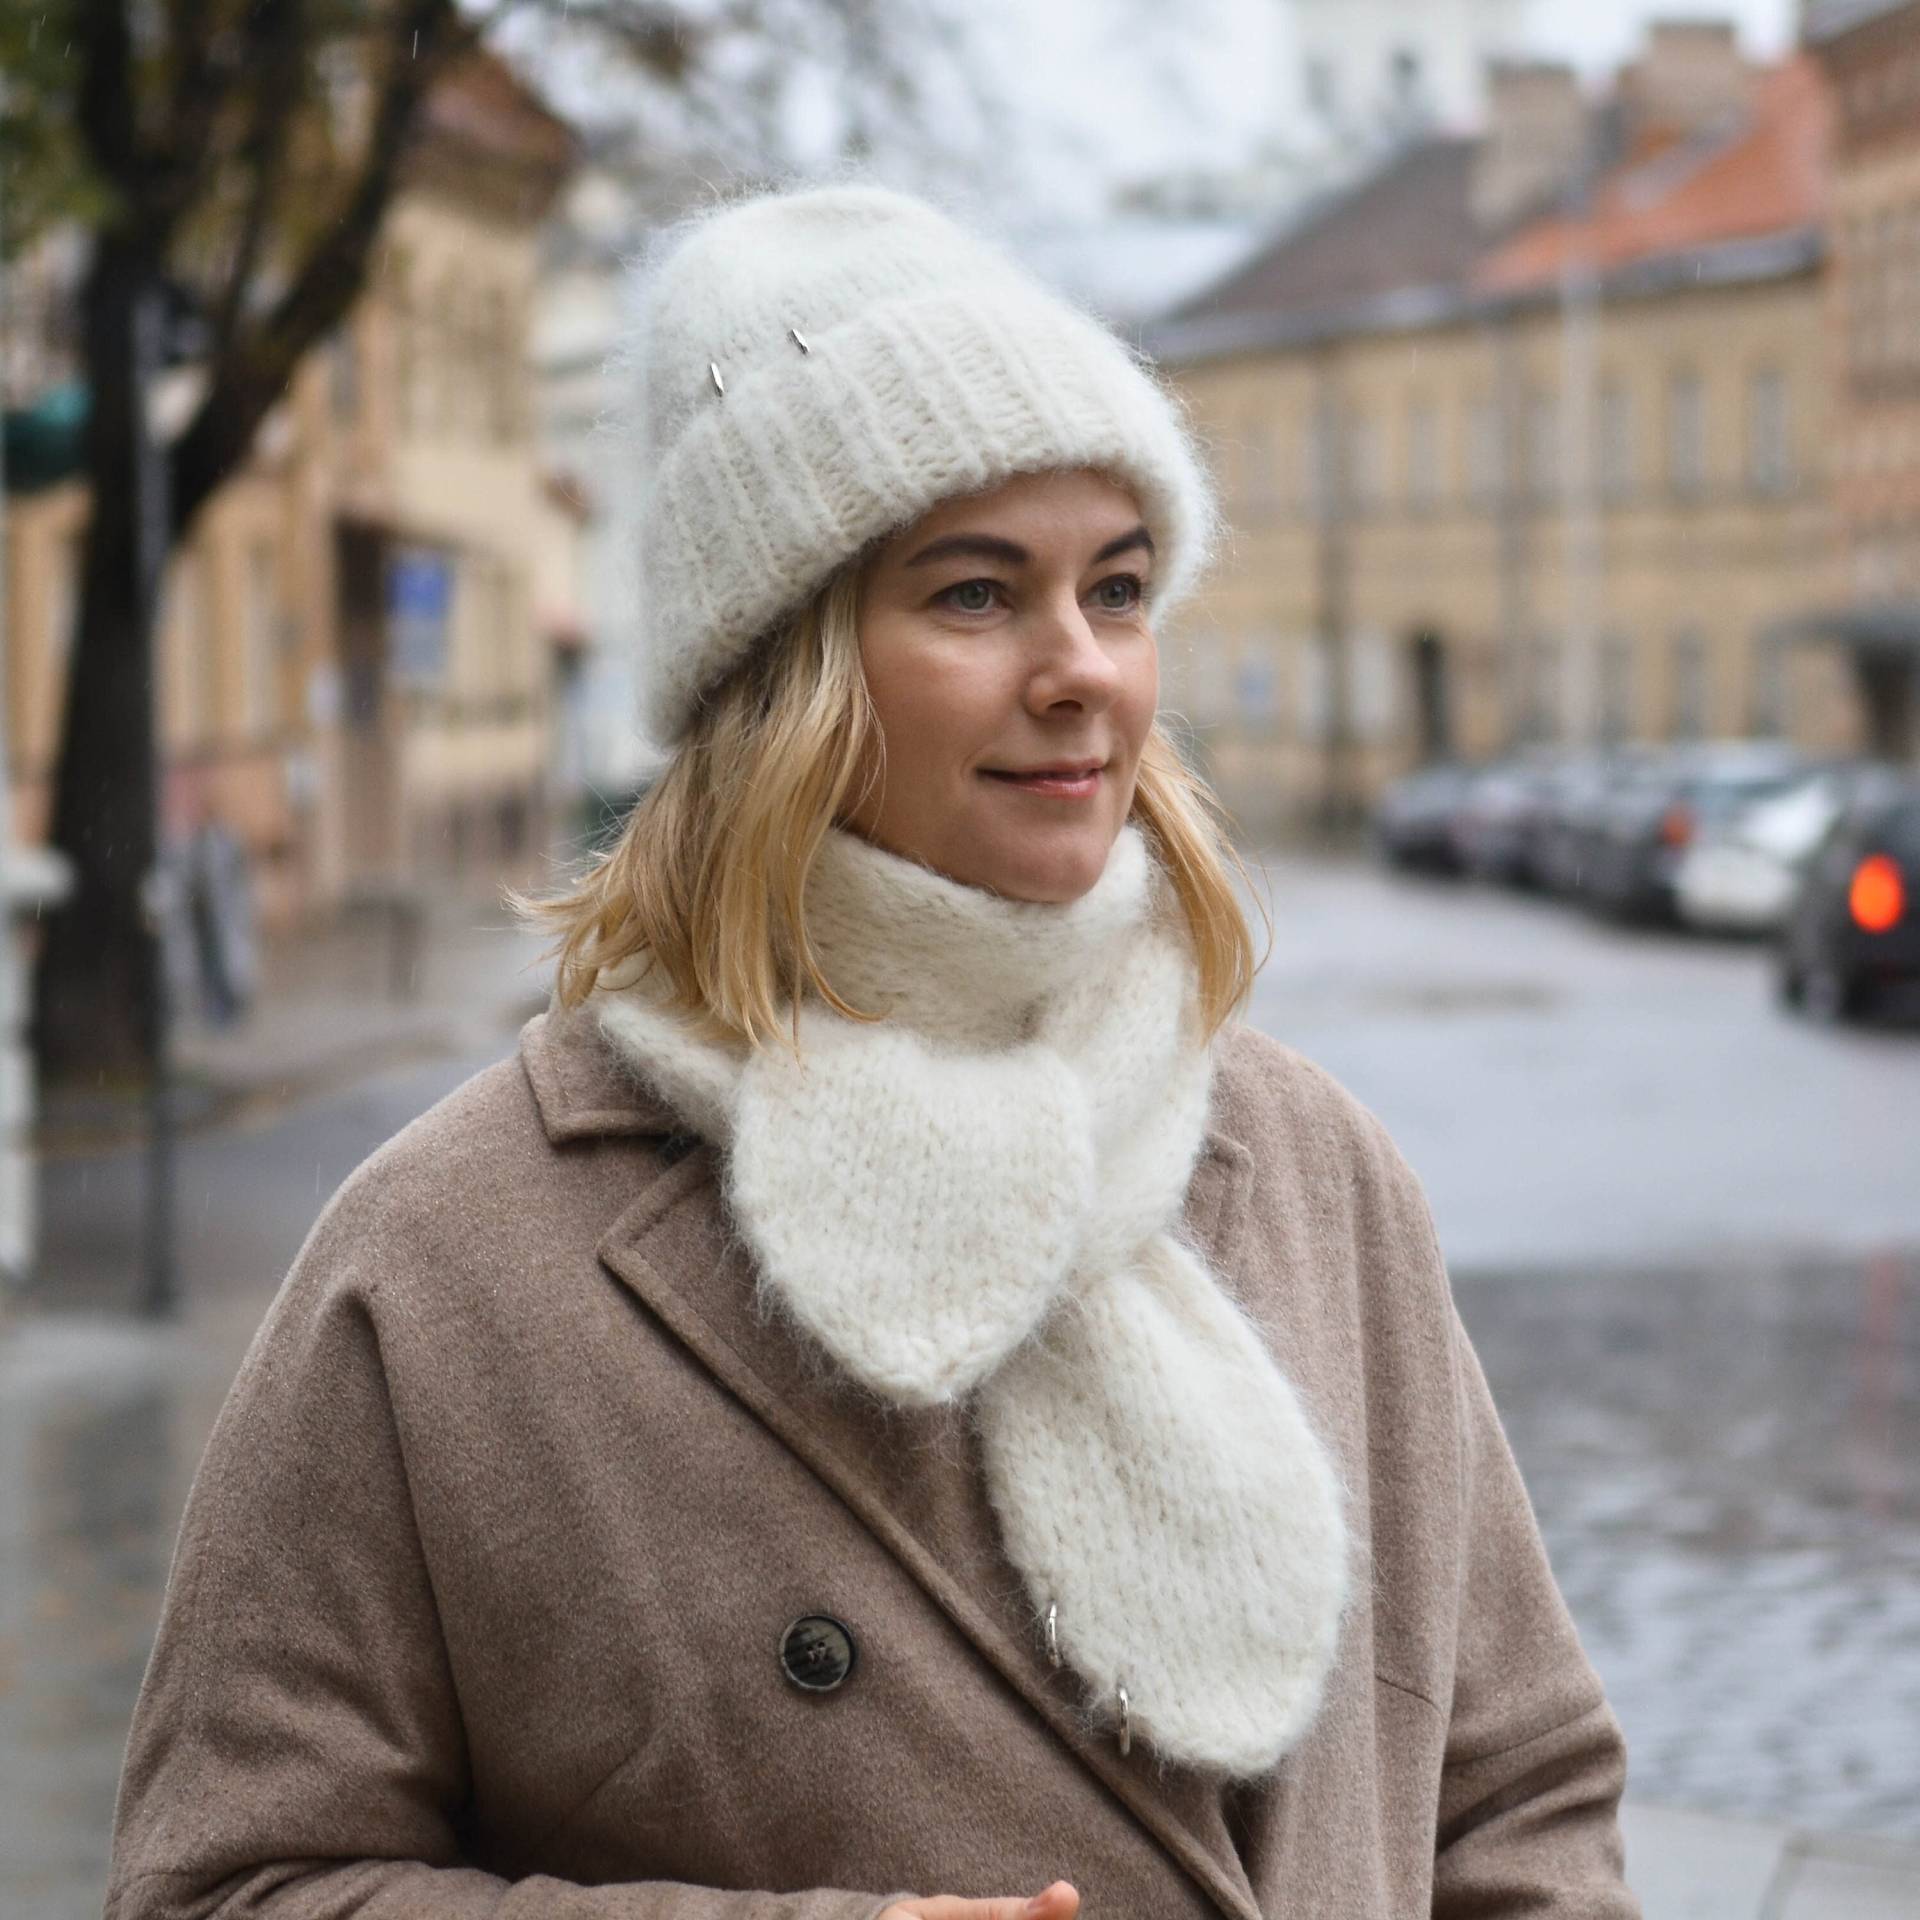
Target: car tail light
{"type": "Point", "coordinates": [1676, 827]}
{"type": "Point", "coordinates": [1878, 896]}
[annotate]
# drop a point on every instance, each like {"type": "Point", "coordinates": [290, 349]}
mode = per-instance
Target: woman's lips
{"type": "Point", "coordinates": [1055, 782]}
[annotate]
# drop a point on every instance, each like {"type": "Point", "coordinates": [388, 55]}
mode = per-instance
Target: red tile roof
{"type": "Point", "coordinates": [1769, 176]}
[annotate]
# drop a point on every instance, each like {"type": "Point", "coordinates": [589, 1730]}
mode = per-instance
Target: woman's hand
{"type": "Point", "coordinates": [1059, 1902]}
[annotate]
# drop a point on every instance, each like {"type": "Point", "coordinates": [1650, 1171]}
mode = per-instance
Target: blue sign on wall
{"type": "Point", "coordinates": [419, 601]}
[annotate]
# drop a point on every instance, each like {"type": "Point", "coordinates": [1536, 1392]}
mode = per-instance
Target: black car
{"type": "Point", "coordinates": [1497, 825]}
{"type": "Point", "coordinates": [1413, 824]}
{"type": "Point", "coordinates": [1854, 931]}
{"type": "Point", "coordinates": [1651, 816]}
{"type": "Point", "coordinates": [1567, 826]}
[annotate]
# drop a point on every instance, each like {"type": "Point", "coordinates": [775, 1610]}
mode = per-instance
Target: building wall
{"type": "Point", "coordinates": [416, 425]}
{"type": "Point", "coordinates": [1464, 468]}
{"type": "Point", "coordinates": [1874, 306]}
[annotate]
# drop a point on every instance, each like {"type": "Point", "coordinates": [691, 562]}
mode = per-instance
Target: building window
{"type": "Point", "coordinates": [1313, 691]}
{"type": "Point", "coordinates": [1616, 687]}
{"type": "Point", "coordinates": [1311, 483]}
{"type": "Point", "coordinates": [498, 348]}
{"type": "Point", "coordinates": [1769, 463]}
{"type": "Point", "coordinates": [1767, 702]}
{"type": "Point", "coordinates": [1889, 321]}
{"type": "Point", "coordinates": [1615, 463]}
{"type": "Point", "coordinates": [1365, 465]}
{"type": "Point", "coordinates": [263, 648]}
{"type": "Point", "coordinates": [1543, 690]}
{"type": "Point", "coordinates": [1688, 717]}
{"type": "Point", "coordinates": [1543, 445]}
{"type": "Point", "coordinates": [1259, 482]}
{"type": "Point", "coordinates": [1907, 298]}
{"type": "Point", "coordinates": [1423, 457]}
{"type": "Point", "coordinates": [1486, 466]}
{"type": "Point", "coordinates": [1686, 434]}
{"type": "Point", "coordinates": [1256, 681]}
{"type": "Point", "coordinates": [1858, 276]}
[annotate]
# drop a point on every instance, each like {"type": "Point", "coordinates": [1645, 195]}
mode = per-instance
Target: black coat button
{"type": "Point", "coordinates": [817, 1652]}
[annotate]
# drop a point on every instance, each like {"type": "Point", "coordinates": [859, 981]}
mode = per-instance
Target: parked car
{"type": "Point", "coordinates": [1567, 825]}
{"type": "Point", "coordinates": [1854, 931]}
{"type": "Point", "coordinates": [1495, 826]}
{"type": "Point", "coordinates": [1742, 876]}
{"type": "Point", "coordinates": [1413, 821]}
{"type": "Point", "coordinates": [1647, 822]}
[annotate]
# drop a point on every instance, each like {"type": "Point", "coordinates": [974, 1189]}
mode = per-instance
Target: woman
{"type": "Point", "coordinates": [893, 1403]}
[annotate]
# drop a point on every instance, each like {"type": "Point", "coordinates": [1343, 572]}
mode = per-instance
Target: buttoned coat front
{"type": "Point", "coordinates": [479, 1597]}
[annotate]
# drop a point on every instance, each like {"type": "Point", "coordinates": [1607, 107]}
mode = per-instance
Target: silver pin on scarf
{"type": "Point", "coordinates": [719, 385]}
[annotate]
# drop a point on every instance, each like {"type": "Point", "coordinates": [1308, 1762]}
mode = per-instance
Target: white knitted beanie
{"type": "Point", "coordinates": [817, 369]}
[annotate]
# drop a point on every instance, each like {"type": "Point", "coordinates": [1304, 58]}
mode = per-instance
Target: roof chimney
{"type": "Point", "coordinates": [1535, 139]}
{"type": "Point", "coordinates": [1691, 79]}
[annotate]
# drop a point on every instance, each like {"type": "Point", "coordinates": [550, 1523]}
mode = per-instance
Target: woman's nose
{"type": "Point", "coordinates": [1072, 667]}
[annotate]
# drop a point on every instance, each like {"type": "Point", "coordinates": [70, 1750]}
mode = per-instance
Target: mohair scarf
{"type": "Point", "coordinates": [979, 1195]}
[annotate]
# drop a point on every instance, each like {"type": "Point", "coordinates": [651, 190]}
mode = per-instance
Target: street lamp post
{"type": "Point", "coordinates": [160, 1270]}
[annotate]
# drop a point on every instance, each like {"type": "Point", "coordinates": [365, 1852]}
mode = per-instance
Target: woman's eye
{"type": "Point", "coordinates": [1131, 590]}
{"type": "Point", "coordinates": [970, 596]}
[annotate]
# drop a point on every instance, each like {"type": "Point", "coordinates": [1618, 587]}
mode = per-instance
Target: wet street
{"type": "Point", "coordinates": [1727, 1469]}
{"type": "Point", "coordinates": [1684, 1231]}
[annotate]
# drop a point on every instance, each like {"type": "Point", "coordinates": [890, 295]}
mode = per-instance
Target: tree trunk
{"type": "Point", "coordinates": [95, 984]}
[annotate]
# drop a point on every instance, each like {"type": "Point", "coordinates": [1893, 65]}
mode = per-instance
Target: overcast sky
{"type": "Point", "coordinates": [1154, 86]}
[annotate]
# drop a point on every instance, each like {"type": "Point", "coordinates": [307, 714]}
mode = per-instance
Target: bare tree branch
{"type": "Point", "coordinates": [275, 28]}
{"type": "Point", "coordinates": [428, 37]}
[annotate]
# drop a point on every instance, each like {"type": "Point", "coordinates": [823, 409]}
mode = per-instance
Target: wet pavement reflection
{"type": "Point", "coordinates": [94, 1424]}
{"type": "Point", "coordinates": [1726, 1466]}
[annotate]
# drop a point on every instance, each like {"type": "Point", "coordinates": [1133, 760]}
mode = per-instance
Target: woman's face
{"type": "Point", "coordinates": [1013, 672]}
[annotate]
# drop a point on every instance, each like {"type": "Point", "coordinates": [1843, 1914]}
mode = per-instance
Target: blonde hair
{"type": "Point", "coordinates": [707, 879]}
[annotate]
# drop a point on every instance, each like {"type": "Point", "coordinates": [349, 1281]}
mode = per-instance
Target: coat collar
{"type": "Point", "coordinates": [905, 1479]}
{"type": "Point", "coordinates": [579, 1084]}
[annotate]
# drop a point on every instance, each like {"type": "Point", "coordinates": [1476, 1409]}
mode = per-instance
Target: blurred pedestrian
{"type": "Point", "coordinates": [219, 900]}
{"type": "Point", "coordinates": [895, 1402]}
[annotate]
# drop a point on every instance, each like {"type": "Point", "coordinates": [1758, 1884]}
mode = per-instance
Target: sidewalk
{"type": "Point", "coordinates": [369, 991]}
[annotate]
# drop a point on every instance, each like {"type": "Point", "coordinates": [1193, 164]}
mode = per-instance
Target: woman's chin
{"type": "Point", "coordinates": [1051, 867]}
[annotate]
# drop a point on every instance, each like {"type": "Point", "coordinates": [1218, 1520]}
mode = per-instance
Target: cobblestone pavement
{"type": "Point", "coordinates": [1727, 1470]}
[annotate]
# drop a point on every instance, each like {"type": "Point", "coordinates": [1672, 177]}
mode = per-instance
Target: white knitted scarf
{"type": "Point", "coordinates": [980, 1195]}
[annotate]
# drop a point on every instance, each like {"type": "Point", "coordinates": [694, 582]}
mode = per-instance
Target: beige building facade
{"type": "Point", "coordinates": [1872, 63]}
{"type": "Point", "coordinates": [1564, 491]}
{"type": "Point", "coordinates": [1482, 592]}
{"type": "Point", "coordinates": [363, 636]}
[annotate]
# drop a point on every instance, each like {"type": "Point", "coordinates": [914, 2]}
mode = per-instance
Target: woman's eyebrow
{"type": "Point", "coordinates": [978, 546]}
{"type": "Point", "coordinates": [1139, 537]}
{"type": "Point", "coordinates": [989, 546]}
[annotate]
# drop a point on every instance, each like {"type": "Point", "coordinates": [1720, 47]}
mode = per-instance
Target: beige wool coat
{"type": "Point", "coordinates": [479, 1598]}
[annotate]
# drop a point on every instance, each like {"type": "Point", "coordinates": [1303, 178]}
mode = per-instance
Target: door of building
{"type": "Point", "coordinates": [369, 724]}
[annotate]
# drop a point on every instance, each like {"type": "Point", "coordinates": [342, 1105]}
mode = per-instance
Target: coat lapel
{"type": "Point", "coordinates": [909, 1474]}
